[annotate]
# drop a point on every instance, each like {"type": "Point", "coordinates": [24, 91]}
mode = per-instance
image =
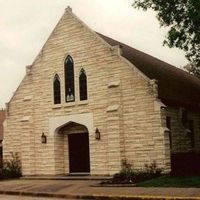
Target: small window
{"type": "Point", "coordinates": [56, 89]}
{"type": "Point", "coordinates": [168, 124]}
{"type": "Point", "coordinates": [83, 85]}
{"type": "Point", "coordinates": [69, 80]}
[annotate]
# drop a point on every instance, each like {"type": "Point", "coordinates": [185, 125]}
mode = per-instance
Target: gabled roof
{"type": "Point", "coordinates": [2, 118]}
{"type": "Point", "coordinates": [175, 86]}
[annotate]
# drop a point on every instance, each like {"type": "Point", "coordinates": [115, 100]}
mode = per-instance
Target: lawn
{"type": "Point", "coordinates": [169, 181]}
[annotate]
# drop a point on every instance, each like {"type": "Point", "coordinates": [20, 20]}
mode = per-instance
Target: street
{"type": "Point", "coordinates": [13, 197]}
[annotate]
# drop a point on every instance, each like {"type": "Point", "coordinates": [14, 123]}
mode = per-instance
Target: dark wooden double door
{"type": "Point", "coordinates": [79, 158]}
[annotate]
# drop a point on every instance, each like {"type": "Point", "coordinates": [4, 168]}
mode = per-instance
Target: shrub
{"type": "Point", "coordinates": [129, 175]}
{"type": "Point", "coordinates": [153, 169]}
{"type": "Point", "coordinates": [11, 168]}
{"type": "Point", "coordinates": [125, 175]}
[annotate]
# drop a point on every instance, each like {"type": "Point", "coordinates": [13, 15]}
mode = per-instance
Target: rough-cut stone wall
{"type": "Point", "coordinates": [181, 138]}
{"type": "Point", "coordinates": [122, 101]}
{"type": "Point", "coordinates": [2, 118]}
{"type": "Point", "coordinates": [18, 132]}
{"type": "Point", "coordinates": [143, 130]}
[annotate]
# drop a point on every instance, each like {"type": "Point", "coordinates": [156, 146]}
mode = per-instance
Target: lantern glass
{"type": "Point", "coordinates": [97, 134]}
{"type": "Point", "coordinates": [44, 138]}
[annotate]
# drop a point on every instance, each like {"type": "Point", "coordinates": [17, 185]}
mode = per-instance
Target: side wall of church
{"type": "Point", "coordinates": [183, 139]}
{"type": "Point", "coordinates": [144, 137]}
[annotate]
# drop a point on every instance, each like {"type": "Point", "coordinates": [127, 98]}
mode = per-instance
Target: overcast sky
{"type": "Point", "coordinates": [26, 24]}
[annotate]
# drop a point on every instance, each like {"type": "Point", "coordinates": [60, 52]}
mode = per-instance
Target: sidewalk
{"type": "Point", "coordinates": [81, 189]}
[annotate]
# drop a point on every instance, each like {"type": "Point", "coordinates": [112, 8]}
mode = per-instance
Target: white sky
{"type": "Point", "coordinates": [26, 24]}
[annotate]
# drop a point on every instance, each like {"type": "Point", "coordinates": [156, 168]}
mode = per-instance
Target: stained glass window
{"type": "Point", "coordinates": [83, 85]}
{"type": "Point", "coordinates": [69, 80]}
{"type": "Point", "coordinates": [56, 89]}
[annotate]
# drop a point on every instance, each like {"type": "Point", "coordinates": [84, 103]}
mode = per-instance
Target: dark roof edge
{"type": "Point", "coordinates": [106, 38]}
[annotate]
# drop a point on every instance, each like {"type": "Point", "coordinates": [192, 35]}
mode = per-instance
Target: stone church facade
{"type": "Point", "coordinates": [2, 118]}
{"type": "Point", "coordinates": [88, 101]}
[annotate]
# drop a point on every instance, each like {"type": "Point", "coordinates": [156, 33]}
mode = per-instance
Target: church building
{"type": "Point", "coordinates": [88, 101]}
{"type": "Point", "coordinates": [2, 118]}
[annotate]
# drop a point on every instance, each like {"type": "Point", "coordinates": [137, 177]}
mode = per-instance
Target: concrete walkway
{"type": "Point", "coordinates": [83, 189]}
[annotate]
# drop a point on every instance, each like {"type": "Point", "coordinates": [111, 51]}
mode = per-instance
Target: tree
{"type": "Point", "coordinates": [183, 19]}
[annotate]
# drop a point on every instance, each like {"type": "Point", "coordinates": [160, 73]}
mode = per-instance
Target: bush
{"type": "Point", "coordinates": [153, 169]}
{"type": "Point", "coordinates": [128, 175]}
{"type": "Point", "coordinates": [11, 168]}
{"type": "Point", "coordinates": [125, 175]}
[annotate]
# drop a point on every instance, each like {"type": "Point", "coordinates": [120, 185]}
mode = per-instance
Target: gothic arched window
{"type": "Point", "coordinates": [83, 85]}
{"type": "Point", "coordinates": [69, 79]}
{"type": "Point", "coordinates": [56, 89]}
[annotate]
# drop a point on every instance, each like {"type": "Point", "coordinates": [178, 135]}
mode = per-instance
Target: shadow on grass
{"type": "Point", "coordinates": [170, 181]}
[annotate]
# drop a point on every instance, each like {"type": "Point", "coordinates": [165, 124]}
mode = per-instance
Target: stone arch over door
{"type": "Point", "coordinates": [78, 156]}
{"type": "Point", "coordinates": [61, 140]}
{"type": "Point", "coordinates": [85, 119]}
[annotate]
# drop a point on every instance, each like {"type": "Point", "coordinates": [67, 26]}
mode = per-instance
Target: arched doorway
{"type": "Point", "coordinates": [78, 147]}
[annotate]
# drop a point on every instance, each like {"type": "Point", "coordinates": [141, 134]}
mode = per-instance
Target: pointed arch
{"type": "Point", "coordinates": [83, 85]}
{"type": "Point", "coordinates": [56, 89]}
{"type": "Point", "coordinates": [69, 79]}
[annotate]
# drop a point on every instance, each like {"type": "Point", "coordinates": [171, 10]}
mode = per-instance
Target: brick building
{"type": "Point", "coordinates": [88, 101]}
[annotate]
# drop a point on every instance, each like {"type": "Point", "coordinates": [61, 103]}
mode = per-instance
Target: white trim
{"type": "Point", "coordinates": [86, 119]}
{"type": "Point", "coordinates": [57, 106]}
{"type": "Point", "coordinates": [83, 102]}
{"type": "Point", "coordinates": [25, 119]}
{"type": "Point", "coordinates": [69, 104]}
{"type": "Point", "coordinates": [79, 173]}
{"type": "Point", "coordinates": [113, 84]}
{"type": "Point", "coordinates": [112, 108]}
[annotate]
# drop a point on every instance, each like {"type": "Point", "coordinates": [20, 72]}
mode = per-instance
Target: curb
{"type": "Point", "coordinates": [95, 196]}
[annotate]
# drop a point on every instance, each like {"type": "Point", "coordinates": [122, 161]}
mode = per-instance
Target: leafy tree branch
{"type": "Point", "coordinates": [183, 19]}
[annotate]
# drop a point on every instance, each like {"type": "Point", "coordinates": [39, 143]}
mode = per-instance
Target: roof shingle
{"type": "Point", "coordinates": [175, 86]}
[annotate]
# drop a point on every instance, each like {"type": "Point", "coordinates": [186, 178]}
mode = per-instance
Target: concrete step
{"type": "Point", "coordinates": [66, 177]}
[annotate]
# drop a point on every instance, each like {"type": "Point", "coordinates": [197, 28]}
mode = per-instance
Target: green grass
{"type": "Point", "coordinates": [168, 181]}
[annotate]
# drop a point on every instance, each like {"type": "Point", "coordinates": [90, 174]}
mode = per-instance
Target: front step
{"type": "Point", "coordinates": [66, 177]}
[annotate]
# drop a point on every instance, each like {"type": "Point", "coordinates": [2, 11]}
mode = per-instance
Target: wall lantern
{"type": "Point", "coordinates": [43, 138]}
{"type": "Point", "coordinates": [97, 134]}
